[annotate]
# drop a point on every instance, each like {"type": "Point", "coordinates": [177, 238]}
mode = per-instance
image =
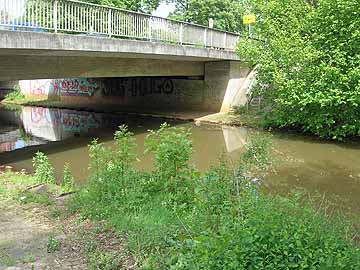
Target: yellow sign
{"type": "Point", "coordinates": [249, 19]}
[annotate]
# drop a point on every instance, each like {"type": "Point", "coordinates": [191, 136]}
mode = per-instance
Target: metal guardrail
{"type": "Point", "coordinates": [69, 16]}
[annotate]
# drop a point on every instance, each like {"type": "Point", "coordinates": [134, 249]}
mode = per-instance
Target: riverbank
{"type": "Point", "coordinates": [178, 218]}
{"type": "Point", "coordinates": [38, 232]}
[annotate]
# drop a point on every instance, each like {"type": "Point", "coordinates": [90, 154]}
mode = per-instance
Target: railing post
{"type": "Point", "coordinates": [225, 40]}
{"type": "Point", "coordinates": [150, 29]}
{"type": "Point", "coordinates": [55, 16]}
{"type": "Point", "coordinates": [109, 23]}
{"type": "Point", "coordinates": [181, 33]}
{"type": "Point", "coordinates": [205, 36]}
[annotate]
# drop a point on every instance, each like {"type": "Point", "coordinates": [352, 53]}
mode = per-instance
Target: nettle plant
{"type": "Point", "coordinates": [68, 179]}
{"type": "Point", "coordinates": [44, 171]}
{"type": "Point", "coordinates": [172, 149]}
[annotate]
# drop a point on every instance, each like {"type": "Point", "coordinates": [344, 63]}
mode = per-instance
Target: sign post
{"type": "Point", "coordinates": [249, 19]}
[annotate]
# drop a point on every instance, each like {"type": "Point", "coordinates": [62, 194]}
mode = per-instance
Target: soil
{"type": "Point", "coordinates": [24, 237]}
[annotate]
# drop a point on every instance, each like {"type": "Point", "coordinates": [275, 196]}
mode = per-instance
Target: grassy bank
{"type": "Point", "coordinates": [177, 218]}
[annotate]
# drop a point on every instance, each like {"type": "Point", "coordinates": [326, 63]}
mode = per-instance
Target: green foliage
{"type": "Point", "coordinates": [15, 95]}
{"type": "Point", "coordinates": [172, 148]}
{"type": "Point", "coordinates": [214, 220]}
{"type": "Point", "coordinates": [124, 150]}
{"type": "Point", "coordinates": [146, 6]}
{"type": "Point", "coordinates": [102, 261]}
{"type": "Point", "coordinates": [227, 14]}
{"type": "Point", "coordinates": [53, 245]}
{"type": "Point", "coordinates": [44, 171]}
{"type": "Point", "coordinates": [241, 109]}
{"type": "Point", "coordinates": [308, 65]}
{"type": "Point", "coordinates": [68, 179]}
{"type": "Point", "coordinates": [31, 198]}
{"type": "Point", "coordinates": [12, 184]}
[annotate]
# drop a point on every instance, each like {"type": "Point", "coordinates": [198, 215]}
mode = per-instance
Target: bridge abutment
{"type": "Point", "coordinates": [226, 84]}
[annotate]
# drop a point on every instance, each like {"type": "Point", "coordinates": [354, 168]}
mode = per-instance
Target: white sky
{"type": "Point", "coordinates": [15, 8]}
{"type": "Point", "coordinates": [163, 10]}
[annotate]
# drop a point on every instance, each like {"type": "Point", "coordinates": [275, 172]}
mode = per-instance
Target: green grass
{"type": "Point", "coordinates": [177, 218]}
{"type": "Point", "coordinates": [13, 183]}
{"type": "Point", "coordinates": [13, 186]}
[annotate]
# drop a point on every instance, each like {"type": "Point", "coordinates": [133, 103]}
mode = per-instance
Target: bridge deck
{"type": "Point", "coordinates": [50, 44]}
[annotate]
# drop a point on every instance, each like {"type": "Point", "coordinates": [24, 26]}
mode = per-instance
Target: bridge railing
{"type": "Point", "coordinates": [68, 16]}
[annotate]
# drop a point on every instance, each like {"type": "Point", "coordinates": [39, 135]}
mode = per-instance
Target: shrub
{"type": "Point", "coordinates": [44, 171]}
{"type": "Point", "coordinates": [68, 179]}
{"type": "Point", "coordinates": [308, 65]}
{"type": "Point", "coordinates": [15, 94]}
{"type": "Point", "coordinates": [214, 220]}
{"type": "Point", "coordinates": [172, 148]}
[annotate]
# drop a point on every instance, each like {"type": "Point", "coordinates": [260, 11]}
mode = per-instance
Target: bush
{"type": "Point", "coordinates": [214, 220]}
{"type": "Point", "coordinates": [68, 179]}
{"type": "Point", "coordinates": [44, 171]}
{"type": "Point", "coordinates": [308, 65]}
{"type": "Point", "coordinates": [15, 94]}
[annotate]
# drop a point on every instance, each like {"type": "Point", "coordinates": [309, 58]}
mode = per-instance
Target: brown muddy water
{"type": "Point", "coordinates": [320, 167]}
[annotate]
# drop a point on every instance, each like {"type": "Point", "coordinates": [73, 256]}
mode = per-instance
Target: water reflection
{"type": "Point", "coordinates": [59, 124]}
{"type": "Point", "coordinates": [315, 165]}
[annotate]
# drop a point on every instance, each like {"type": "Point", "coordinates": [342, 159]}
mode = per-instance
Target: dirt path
{"type": "Point", "coordinates": [24, 238]}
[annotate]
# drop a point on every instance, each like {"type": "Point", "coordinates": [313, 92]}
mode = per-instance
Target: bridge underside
{"type": "Point", "coordinates": [28, 67]}
{"type": "Point", "coordinates": [168, 76]}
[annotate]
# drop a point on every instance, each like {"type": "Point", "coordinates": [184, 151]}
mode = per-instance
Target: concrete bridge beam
{"type": "Point", "coordinates": [45, 67]}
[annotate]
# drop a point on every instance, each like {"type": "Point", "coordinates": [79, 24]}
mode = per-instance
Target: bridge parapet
{"type": "Point", "coordinates": [75, 17]}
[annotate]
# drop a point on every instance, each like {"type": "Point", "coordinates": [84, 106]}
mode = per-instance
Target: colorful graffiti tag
{"type": "Point", "coordinates": [75, 87]}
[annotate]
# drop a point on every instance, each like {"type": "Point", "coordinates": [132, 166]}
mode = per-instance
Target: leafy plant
{"type": "Point", "coordinates": [53, 245]}
{"type": "Point", "coordinates": [176, 218]}
{"type": "Point", "coordinates": [308, 64]}
{"type": "Point", "coordinates": [124, 148]}
{"type": "Point", "coordinates": [68, 179]}
{"type": "Point", "coordinates": [44, 171]}
{"type": "Point", "coordinates": [15, 94]}
{"type": "Point", "coordinates": [172, 148]}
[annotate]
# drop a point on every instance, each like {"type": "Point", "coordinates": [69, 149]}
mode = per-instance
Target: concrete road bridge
{"type": "Point", "coordinates": [76, 52]}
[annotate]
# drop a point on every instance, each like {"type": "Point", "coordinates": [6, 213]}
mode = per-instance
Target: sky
{"type": "Point", "coordinates": [163, 10]}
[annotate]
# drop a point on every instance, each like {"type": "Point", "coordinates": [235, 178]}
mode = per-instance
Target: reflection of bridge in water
{"type": "Point", "coordinates": [31, 126]}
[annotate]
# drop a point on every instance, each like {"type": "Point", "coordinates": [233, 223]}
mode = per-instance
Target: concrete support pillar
{"type": "Point", "coordinates": [227, 83]}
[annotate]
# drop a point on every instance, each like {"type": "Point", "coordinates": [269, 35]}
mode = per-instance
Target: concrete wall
{"type": "Point", "coordinates": [158, 93]}
{"type": "Point", "coordinates": [226, 84]}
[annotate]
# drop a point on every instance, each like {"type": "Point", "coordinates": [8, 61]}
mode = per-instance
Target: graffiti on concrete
{"type": "Point", "coordinates": [75, 87]}
{"type": "Point", "coordinates": [138, 86]}
{"type": "Point", "coordinates": [87, 87]}
{"type": "Point", "coordinates": [38, 88]}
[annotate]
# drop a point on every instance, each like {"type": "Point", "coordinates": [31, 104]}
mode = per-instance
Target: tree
{"type": "Point", "coordinates": [227, 14]}
{"type": "Point", "coordinates": [308, 64]}
{"type": "Point", "coordinates": [145, 6]}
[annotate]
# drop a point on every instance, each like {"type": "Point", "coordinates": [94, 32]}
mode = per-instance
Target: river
{"type": "Point", "coordinates": [320, 167]}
